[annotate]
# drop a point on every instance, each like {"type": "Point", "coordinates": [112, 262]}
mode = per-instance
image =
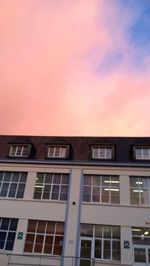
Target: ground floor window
{"type": "Point", "coordinates": [8, 228]}
{"type": "Point", "coordinates": [44, 237]}
{"type": "Point", "coordinates": [141, 244]}
{"type": "Point", "coordinates": [100, 242]}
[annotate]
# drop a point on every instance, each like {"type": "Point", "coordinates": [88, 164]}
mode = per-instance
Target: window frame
{"type": "Point", "coordinates": [139, 189]}
{"type": "Point", "coordinates": [106, 148]}
{"type": "Point", "coordinates": [54, 235]}
{"type": "Point", "coordinates": [6, 185]}
{"type": "Point", "coordinates": [142, 148]}
{"type": "Point", "coordinates": [102, 238]}
{"type": "Point", "coordinates": [22, 148]}
{"type": "Point", "coordinates": [108, 186]}
{"type": "Point", "coordinates": [8, 231]}
{"type": "Point", "coordinates": [53, 184]}
{"type": "Point", "coordinates": [54, 151]}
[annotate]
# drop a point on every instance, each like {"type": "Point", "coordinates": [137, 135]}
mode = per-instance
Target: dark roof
{"type": "Point", "coordinates": [79, 146]}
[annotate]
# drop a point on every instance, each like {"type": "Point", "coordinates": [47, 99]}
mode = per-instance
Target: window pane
{"type": "Point", "coordinates": [58, 245]}
{"type": "Point", "coordinates": [5, 223]}
{"type": "Point", "coordinates": [105, 194]}
{"type": "Point", "coordinates": [65, 179]}
{"type": "Point", "coordinates": [87, 180]}
{"type": "Point", "coordinates": [13, 224]}
{"type": "Point", "coordinates": [7, 176]}
{"type": "Point", "coordinates": [116, 250]}
{"type": "Point", "coordinates": [96, 180]}
{"type": "Point", "coordinates": [87, 193]}
{"type": "Point", "coordinates": [60, 228]}
{"type": "Point", "coordinates": [32, 226]}
{"type": "Point", "coordinates": [107, 249]}
{"type": "Point", "coordinates": [40, 178]}
{"type": "Point", "coordinates": [48, 245]}
{"type": "Point", "coordinates": [50, 228]}
{"type": "Point", "coordinates": [15, 177]}
{"type": "Point", "coordinates": [134, 196]}
{"type": "Point", "coordinates": [41, 227]}
{"type": "Point", "coordinates": [116, 232]}
{"type": "Point", "coordinates": [56, 179]}
{"type": "Point", "coordinates": [107, 232]}
{"type": "Point", "coordinates": [98, 249]}
{"type": "Point", "coordinates": [87, 230]}
{"type": "Point", "coordinates": [96, 194]}
{"type": "Point", "coordinates": [115, 197]}
{"type": "Point", "coordinates": [48, 178]}
{"type": "Point", "coordinates": [140, 255]}
{"type": "Point", "coordinates": [98, 231]}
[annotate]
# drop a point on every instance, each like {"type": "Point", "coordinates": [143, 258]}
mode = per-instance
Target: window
{"type": "Point", "coordinates": [20, 150]}
{"type": "Point", "coordinates": [141, 235]}
{"type": "Point", "coordinates": [102, 152]}
{"type": "Point", "coordinates": [139, 190]}
{"type": "Point", "coordinates": [8, 228]}
{"type": "Point", "coordinates": [44, 237]}
{"type": "Point", "coordinates": [105, 241]}
{"type": "Point", "coordinates": [12, 184]}
{"type": "Point", "coordinates": [57, 151]}
{"type": "Point", "coordinates": [51, 186]}
{"type": "Point", "coordinates": [101, 189]}
{"type": "Point", "coordinates": [142, 153]}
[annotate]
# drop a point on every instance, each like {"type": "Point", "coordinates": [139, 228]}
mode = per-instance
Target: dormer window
{"type": "Point", "coordinates": [57, 151]}
{"type": "Point", "coordinates": [142, 153]}
{"type": "Point", "coordinates": [102, 152]}
{"type": "Point", "coordinates": [19, 150]}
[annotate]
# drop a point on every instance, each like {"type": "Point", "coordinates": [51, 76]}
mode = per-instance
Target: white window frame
{"type": "Point", "coordinates": [11, 182]}
{"type": "Point", "coordinates": [45, 234]}
{"type": "Point", "coordinates": [102, 239]}
{"type": "Point", "coordinates": [18, 150]}
{"type": "Point", "coordinates": [142, 155]}
{"type": "Point", "coordinates": [139, 189]}
{"type": "Point", "coordinates": [58, 151]}
{"type": "Point", "coordinates": [110, 187]}
{"type": "Point", "coordinates": [52, 185]}
{"type": "Point", "coordinates": [107, 152]}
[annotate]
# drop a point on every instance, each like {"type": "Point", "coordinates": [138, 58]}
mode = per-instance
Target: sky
{"type": "Point", "coordinates": [75, 67]}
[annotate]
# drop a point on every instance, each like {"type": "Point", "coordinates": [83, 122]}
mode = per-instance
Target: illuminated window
{"type": "Point", "coordinates": [139, 190]}
{"type": "Point", "coordinates": [20, 150]}
{"type": "Point", "coordinates": [51, 186]}
{"type": "Point", "coordinates": [44, 237]}
{"type": "Point", "coordinates": [101, 189]}
{"type": "Point", "coordinates": [101, 152]}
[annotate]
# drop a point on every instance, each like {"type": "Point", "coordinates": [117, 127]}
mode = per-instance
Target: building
{"type": "Point", "coordinates": [74, 201]}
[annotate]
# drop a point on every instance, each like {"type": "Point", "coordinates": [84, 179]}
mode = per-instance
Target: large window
{"type": "Point", "coordinates": [105, 241]}
{"type": "Point", "coordinates": [102, 152]}
{"type": "Point", "coordinates": [20, 150]}
{"type": "Point", "coordinates": [8, 228]}
{"type": "Point", "coordinates": [12, 184]}
{"type": "Point", "coordinates": [101, 189]}
{"type": "Point", "coordinates": [139, 190]}
{"type": "Point", "coordinates": [57, 151]}
{"type": "Point", "coordinates": [44, 237]}
{"type": "Point", "coordinates": [53, 186]}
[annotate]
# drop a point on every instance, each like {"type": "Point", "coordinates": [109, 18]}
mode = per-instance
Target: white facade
{"type": "Point", "coordinates": [73, 213]}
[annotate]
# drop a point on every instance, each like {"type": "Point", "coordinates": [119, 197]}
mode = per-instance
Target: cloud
{"type": "Point", "coordinates": [53, 55]}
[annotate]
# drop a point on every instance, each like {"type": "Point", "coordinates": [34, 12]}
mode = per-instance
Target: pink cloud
{"type": "Point", "coordinates": [47, 84]}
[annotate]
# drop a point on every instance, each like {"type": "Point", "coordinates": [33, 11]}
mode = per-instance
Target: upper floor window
{"type": "Point", "coordinates": [8, 228]}
{"type": "Point", "coordinates": [102, 152]}
{"type": "Point", "coordinates": [53, 186]}
{"type": "Point", "coordinates": [101, 189]}
{"type": "Point", "coordinates": [57, 151]}
{"type": "Point", "coordinates": [44, 237]}
{"type": "Point", "coordinates": [142, 153]}
{"type": "Point", "coordinates": [12, 184]}
{"type": "Point", "coordinates": [139, 190]}
{"type": "Point", "coordinates": [20, 150]}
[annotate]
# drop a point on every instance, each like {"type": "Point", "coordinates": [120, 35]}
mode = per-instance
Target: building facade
{"type": "Point", "coordinates": [74, 201]}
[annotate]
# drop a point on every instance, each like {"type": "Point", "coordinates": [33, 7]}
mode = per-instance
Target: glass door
{"type": "Point", "coordinates": [141, 255]}
{"type": "Point", "coordinates": [85, 252]}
